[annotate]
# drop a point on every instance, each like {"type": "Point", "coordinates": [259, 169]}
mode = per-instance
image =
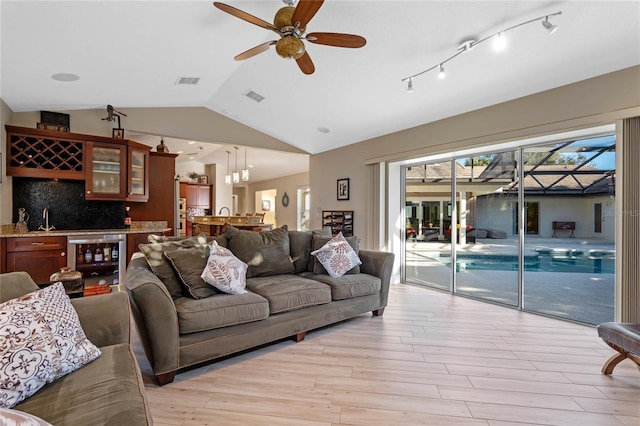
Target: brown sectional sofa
{"type": "Point", "coordinates": [288, 295]}
{"type": "Point", "coordinates": [107, 391]}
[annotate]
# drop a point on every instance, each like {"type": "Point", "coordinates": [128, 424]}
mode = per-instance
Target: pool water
{"type": "Point", "coordinates": [544, 261]}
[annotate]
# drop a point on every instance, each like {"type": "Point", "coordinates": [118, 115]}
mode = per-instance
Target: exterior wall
{"type": "Point", "coordinates": [498, 213]}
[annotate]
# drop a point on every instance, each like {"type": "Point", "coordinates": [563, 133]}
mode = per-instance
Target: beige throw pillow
{"type": "Point", "coordinates": [337, 256]}
{"type": "Point", "coordinates": [224, 271]}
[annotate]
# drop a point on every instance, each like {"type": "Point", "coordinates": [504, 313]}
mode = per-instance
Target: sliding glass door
{"type": "Point", "coordinates": [546, 246]}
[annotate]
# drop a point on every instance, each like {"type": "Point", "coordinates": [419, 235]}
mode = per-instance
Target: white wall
{"type": "Point", "coordinates": [289, 184]}
{"type": "Point", "coordinates": [592, 102]}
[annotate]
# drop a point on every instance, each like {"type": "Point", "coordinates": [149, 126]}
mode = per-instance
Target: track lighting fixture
{"type": "Point", "coordinates": [410, 85]}
{"type": "Point", "coordinates": [549, 26]}
{"type": "Point", "coordinates": [245, 171]}
{"type": "Point", "coordinates": [499, 43]}
{"type": "Point", "coordinates": [236, 175]}
{"type": "Point", "coordinates": [227, 177]}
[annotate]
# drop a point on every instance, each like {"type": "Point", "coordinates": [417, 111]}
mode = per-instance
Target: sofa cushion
{"type": "Point", "coordinates": [289, 292]}
{"type": "Point", "coordinates": [334, 251]}
{"type": "Point", "coordinates": [188, 265]}
{"type": "Point", "coordinates": [266, 253]}
{"type": "Point", "coordinates": [41, 340]}
{"type": "Point", "coordinates": [110, 391]}
{"type": "Point", "coordinates": [154, 253]}
{"type": "Point", "coordinates": [300, 247]}
{"type": "Point", "coordinates": [221, 310]}
{"type": "Point", "coordinates": [352, 285]}
{"type": "Point", "coordinates": [224, 271]}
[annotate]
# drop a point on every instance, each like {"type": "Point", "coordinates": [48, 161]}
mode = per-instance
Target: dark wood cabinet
{"type": "Point", "coordinates": [39, 256]}
{"type": "Point", "coordinates": [162, 201]}
{"type": "Point", "coordinates": [198, 195]}
{"type": "Point", "coordinates": [113, 169]}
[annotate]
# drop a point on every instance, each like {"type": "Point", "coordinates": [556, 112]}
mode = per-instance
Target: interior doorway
{"type": "Point", "coordinates": [265, 202]}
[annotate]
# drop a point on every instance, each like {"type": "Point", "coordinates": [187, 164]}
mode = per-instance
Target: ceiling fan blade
{"type": "Point", "coordinates": [306, 64]}
{"type": "Point", "coordinates": [305, 10]}
{"type": "Point", "coordinates": [254, 51]}
{"type": "Point", "coordinates": [337, 39]}
{"type": "Point", "coordinates": [244, 16]}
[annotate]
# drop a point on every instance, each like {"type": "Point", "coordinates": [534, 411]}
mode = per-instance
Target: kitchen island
{"type": "Point", "coordinates": [213, 226]}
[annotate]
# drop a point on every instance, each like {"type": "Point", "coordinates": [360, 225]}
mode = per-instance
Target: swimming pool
{"type": "Point", "coordinates": [578, 261]}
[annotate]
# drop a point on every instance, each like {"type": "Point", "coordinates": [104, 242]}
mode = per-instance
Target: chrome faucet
{"type": "Point", "coordinates": [45, 216]}
{"type": "Point", "coordinates": [228, 211]}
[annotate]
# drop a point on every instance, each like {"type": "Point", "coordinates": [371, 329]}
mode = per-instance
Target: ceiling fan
{"type": "Point", "coordinates": [290, 23]}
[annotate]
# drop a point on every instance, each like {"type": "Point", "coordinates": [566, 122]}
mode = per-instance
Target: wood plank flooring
{"type": "Point", "coordinates": [432, 359]}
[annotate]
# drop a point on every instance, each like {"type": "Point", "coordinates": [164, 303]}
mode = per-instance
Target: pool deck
{"type": "Point", "coordinates": [584, 297]}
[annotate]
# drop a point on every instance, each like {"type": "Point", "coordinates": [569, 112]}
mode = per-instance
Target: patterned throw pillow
{"type": "Point", "coordinates": [41, 340]}
{"type": "Point", "coordinates": [337, 256]}
{"type": "Point", "coordinates": [224, 271]}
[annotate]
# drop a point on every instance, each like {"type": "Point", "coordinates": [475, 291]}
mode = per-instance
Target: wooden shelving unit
{"type": "Point", "coordinates": [338, 221]}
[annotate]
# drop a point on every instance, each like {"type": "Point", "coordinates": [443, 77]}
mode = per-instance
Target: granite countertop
{"type": "Point", "coordinates": [7, 231]}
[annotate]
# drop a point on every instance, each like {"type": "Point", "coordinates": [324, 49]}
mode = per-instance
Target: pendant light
{"type": "Point", "coordinates": [227, 177]}
{"type": "Point", "coordinates": [236, 175]}
{"type": "Point", "coordinates": [245, 171]}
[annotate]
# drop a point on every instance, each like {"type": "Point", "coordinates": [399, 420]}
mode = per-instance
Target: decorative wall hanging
{"type": "Point", "coordinates": [285, 200]}
{"type": "Point", "coordinates": [343, 189]}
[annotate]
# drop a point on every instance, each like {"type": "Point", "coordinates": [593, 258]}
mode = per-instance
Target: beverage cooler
{"type": "Point", "coordinates": [100, 259]}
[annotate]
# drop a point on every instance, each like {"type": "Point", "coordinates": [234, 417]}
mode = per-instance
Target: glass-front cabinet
{"type": "Point", "coordinates": [106, 172]}
{"type": "Point", "coordinates": [117, 172]}
{"type": "Point", "coordinates": [137, 182]}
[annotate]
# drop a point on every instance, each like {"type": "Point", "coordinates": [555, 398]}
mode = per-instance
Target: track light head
{"type": "Point", "coordinates": [499, 42]}
{"type": "Point", "coordinates": [410, 85]}
{"type": "Point", "coordinates": [441, 73]}
{"type": "Point", "coordinates": [549, 26]}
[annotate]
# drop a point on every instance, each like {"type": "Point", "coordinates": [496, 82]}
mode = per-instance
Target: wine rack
{"type": "Point", "coordinates": [338, 221]}
{"type": "Point", "coordinates": [45, 156]}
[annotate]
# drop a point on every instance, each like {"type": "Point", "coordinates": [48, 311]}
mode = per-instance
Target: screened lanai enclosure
{"type": "Point", "coordinates": [531, 227]}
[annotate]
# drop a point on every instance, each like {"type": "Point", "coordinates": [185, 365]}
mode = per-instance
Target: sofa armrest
{"type": "Point", "coordinates": [155, 316]}
{"type": "Point", "coordinates": [105, 319]}
{"type": "Point", "coordinates": [379, 264]}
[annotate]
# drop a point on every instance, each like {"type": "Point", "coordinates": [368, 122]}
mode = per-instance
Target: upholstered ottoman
{"type": "Point", "coordinates": [624, 338]}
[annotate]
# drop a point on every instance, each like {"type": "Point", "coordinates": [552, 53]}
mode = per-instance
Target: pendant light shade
{"type": "Point", "coordinates": [245, 171]}
{"type": "Point", "coordinates": [236, 175]}
{"type": "Point", "coordinates": [227, 177]}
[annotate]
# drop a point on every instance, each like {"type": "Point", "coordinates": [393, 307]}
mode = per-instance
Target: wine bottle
{"type": "Point", "coordinates": [106, 252]}
{"type": "Point", "coordinates": [88, 255]}
{"type": "Point", "coordinates": [80, 255]}
{"type": "Point", "coordinates": [114, 253]}
{"type": "Point", "coordinates": [127, 217]}
{"type": "Point", "coordinates": [98, 254]}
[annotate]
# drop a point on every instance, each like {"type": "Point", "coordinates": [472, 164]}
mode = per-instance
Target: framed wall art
{"type": "Point", "coordinates": [343, 189]}
{"type": "Point", "coordinates": [118, 133]}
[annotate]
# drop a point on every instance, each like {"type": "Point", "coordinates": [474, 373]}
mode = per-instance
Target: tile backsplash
{"type": "Point", "coordinates": [67, 206]}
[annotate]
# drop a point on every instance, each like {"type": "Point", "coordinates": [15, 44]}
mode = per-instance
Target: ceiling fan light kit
{"type": "Point", "coordinates": [290, 23]}
{"type": "Point", "coordinates": [466, 45]}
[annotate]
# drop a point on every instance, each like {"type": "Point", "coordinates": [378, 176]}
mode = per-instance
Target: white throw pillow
{"type": "Point", "coordinates": [224, 271]}
{"type": "Point", "coordinates": [41, 340]}
{"type": "Point", "coordinates": [337, 256]}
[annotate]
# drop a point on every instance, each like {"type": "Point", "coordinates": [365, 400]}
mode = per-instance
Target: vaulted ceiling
{"type": "Point", "coordinates": [132, 53]}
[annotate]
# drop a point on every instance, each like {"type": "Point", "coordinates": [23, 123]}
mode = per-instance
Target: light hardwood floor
{"type": "Point", "coordinates": [432, 359]}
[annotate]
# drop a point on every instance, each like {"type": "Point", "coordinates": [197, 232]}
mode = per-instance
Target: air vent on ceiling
{"type": "Point", "coordinates": [253, 95]}
{"type": "Point", "coordinates": [188, 80]}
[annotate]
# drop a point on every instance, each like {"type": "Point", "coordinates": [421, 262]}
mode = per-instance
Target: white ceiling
{"type": "Point", "coordinates": [130, 54]}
